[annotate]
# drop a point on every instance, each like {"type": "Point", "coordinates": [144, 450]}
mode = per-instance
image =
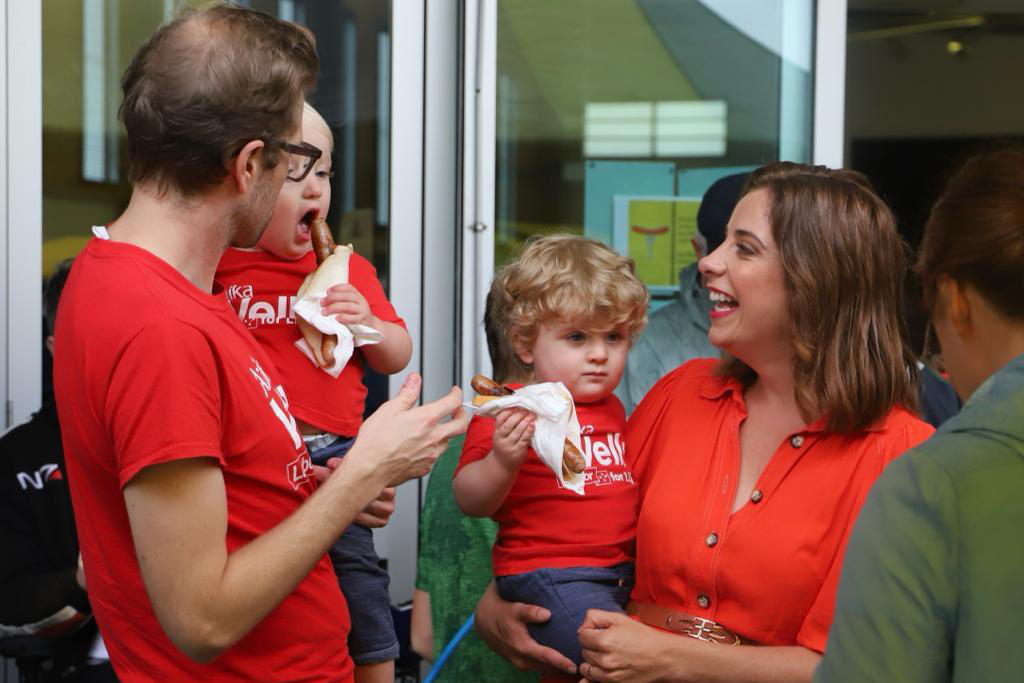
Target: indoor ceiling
{"type": "Point", "coordinates": [1008, 6]}
{"type": "Point", "coordinates": [879, 19]}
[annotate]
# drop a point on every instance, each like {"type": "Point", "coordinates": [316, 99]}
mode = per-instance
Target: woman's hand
{"type": "Point", "coordinates": [503, 626]}
{"type": "Point", "coordinates": [617, 648]}
{"type": "Point", "coordinates": [347, 305]}
{"type": "Point", "coordinates": [513, 429]}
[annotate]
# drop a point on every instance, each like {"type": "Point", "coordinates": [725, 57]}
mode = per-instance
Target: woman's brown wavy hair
{"type": "Point", "coordinates": [844, 265]}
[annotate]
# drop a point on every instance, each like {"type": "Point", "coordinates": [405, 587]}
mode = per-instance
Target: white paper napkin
{"type": "Point", "coordinates": [556, 421]}
{"type": "Point", "coordinates": [349, 336]}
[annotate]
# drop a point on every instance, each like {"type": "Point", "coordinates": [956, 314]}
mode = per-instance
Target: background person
{"type": "Point", "coordinates": [931, 586]}
{"type": "Point", "coordinates": [752, 469]}
{"type": "Point", "coordinates": [202, 529]}
{"type": "Point", "coordinates": [678, 331]}
{"type": "Point", "coordinates": [42, 584]}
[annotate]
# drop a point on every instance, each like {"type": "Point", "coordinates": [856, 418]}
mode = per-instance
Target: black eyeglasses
{"type": "Point", "coordinates": [301, 157]}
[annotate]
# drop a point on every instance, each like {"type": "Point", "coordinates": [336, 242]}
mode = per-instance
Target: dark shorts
{"type": "Point", "coordinates": [363, 581]}
{"type": "Point", "coordinates": [568, 593]}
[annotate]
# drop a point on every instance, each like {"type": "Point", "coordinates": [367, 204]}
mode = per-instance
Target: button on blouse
{"type": "Point", "coordinates": [757, 571]}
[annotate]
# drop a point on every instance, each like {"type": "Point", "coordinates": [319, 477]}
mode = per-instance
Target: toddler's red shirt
{"type": "Point", "coordinates": [541, 524]}
{"type": "Point", "coordinates": [261, 288]}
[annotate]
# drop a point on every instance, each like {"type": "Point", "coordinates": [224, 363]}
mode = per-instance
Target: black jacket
{"type": "Point", "coordinates": [38, 543]}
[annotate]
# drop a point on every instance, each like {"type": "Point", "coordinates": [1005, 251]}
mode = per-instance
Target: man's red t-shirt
{"type": "Point", "coordinates": [149, 369]}
{"type": "Point", "coordinates": [261, 289]}
{"type": "Point", "coordinates": [542, 525]}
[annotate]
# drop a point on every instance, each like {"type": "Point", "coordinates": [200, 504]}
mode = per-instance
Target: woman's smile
{"type": "Point", "coordinates": [722, 304]}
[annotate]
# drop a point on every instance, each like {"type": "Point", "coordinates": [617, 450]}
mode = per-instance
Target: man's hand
{"type": "Point", "coordinates": [401, 441]}
{"type": "Point", "coordinates": [503, 626]}
{"type": "Point", "coordinates": [378, 512]}
{"type": "Point", "coordinates": [349, 306]}
{"type": "Point", "coordinates": [374, 515]}
{"type": "Point", "coordinates": [513, 429]}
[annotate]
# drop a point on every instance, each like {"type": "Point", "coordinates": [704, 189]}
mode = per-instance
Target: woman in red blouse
{"type": "Point", "coordinates": [752, 468]}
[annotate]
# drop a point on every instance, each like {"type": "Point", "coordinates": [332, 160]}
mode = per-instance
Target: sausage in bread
{"type": "Point", "coordinates": [573, 461]}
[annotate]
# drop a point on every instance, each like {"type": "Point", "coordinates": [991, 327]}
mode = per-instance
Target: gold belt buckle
{"type": "Point", "coordinates": [701, 629]}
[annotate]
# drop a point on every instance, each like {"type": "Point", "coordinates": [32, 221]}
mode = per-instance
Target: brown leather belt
{"type": "Point", "coordinates": [684, 624]}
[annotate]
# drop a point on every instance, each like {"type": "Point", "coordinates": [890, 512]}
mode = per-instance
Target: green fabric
{"type": "Point", "coordinates": [933, 580]}
{"type": "Point", "coordinates": [675, 333]}
{"type": "Point", "coordinates": [454, 567]}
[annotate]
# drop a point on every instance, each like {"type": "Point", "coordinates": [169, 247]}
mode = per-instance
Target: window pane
{"type": "Point", "coordinates": [87, 44]}
{"type": "Point", "coordinates": [603, 102]}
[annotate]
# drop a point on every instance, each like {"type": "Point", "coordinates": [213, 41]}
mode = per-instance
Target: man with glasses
{"type": "Point", "coordinates": [202, 528]}
{"type": "Point", "coordinates": [301, 158]}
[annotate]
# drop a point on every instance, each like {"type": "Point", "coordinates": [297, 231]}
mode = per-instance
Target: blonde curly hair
{"type": "Point", "coordinates": [567, 278]}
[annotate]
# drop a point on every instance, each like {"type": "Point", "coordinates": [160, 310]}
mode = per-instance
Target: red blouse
{"type": "Point", "coordinates": [770, 570]}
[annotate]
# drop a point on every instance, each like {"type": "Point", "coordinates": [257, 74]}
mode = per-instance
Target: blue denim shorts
{"type": "Point", "coordinates": [568, 593]}
{"type": "Point", "coordinates": [362, 580]}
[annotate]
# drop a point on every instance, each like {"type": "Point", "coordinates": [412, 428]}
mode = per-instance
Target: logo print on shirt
{"type": "Point", "coordinates": [602, 452]}
{"type": "Point", "coordinates": [259, 311]}
{"type": "Point", "coordinates": [300, 469]}
{"type": "Point", "coordinates": [236, 292]}
{"type": "Point", "coordinates": [38, 479]}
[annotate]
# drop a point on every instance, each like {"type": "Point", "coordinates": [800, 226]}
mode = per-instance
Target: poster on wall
{"type": "Point", "coordinates": [657, 233]}
{"type": "Point", "coordinates": [605, 179]}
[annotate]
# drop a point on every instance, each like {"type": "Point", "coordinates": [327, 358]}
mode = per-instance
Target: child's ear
{"type": "Point", "coordinates": [524, 353]}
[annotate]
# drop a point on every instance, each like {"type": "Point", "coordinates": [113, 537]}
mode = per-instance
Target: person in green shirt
{"type": "Point", "coordinates": [933, 581]}
{"type": "Point", "coordinates": [454, 565]}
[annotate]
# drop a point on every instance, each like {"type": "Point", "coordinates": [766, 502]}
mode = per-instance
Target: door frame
{"type": "Point", "coordinates": [21, 205]}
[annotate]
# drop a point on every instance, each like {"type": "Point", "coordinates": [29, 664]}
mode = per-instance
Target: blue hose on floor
{"type": "Point", "coordinates": [448, 649]}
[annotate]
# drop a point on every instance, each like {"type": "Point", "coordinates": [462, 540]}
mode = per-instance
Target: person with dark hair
{"type": "Point", "coordinates": [752, 468]}
{"type": "Point", "coordinates": [42, 586]}
{"type": "Point", "coordinates": [678, 331]}
{"type": "Point", "coordinates": [931, 585]}
{"type": "Point", "coordinates": [202, 526]}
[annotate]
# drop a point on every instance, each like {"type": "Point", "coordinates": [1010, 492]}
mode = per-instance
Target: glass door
{"type": "Point", "coordinates": [68, 149]}
{"type": "Point", "coordinates": [86, 47]}
{"type": "Point", "coordinates": [610, 118]}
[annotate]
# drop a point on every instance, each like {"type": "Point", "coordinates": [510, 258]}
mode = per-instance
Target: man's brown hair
{"type": "Point", "coordinates": [975, 234]}
{"type": "Point", "coordinates": [844, 265]}
{"type": "Point", "coordinates": [204, 85]}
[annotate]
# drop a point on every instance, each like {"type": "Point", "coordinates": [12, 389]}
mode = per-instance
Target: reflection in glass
{"type": "Point", "coordinates": [87, 44]}
{"type": "Point", "coordinates": [652, 99]}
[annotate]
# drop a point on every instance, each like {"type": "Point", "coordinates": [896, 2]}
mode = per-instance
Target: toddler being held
{"type": "Point", "coordinates": [261, 283]}
{"type": "Point", "coordinates": [569, 307]}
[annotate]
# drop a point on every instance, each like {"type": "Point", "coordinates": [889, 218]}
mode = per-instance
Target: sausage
{"type": "Point", "coordinates": [323, 247]}
{"type": "Point", "coordinates": [323, 240]}
{"type": "Point", "coordinates": [488, 387]}
{"type": "Point", "coordinates": [573, 461]}
{"type": "Point", "coordinates": [572, 458]}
